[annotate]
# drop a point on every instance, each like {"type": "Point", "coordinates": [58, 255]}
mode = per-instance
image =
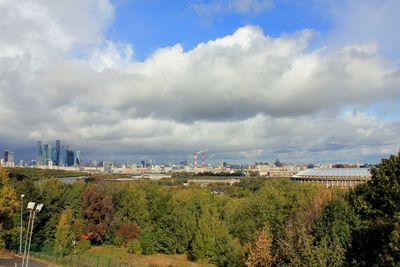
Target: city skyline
{"type": "Point", "coordinates": [254, 80]}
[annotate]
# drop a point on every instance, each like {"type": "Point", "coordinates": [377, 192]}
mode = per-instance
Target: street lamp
{"type": "Point", "coordinates": [20, 232]}
{"type": "Point", "coordinates": [32, 213]}
{"type": "Point", "coordinates": [37, 210]}
{"type": "Point", "coordinates": [31, 206]}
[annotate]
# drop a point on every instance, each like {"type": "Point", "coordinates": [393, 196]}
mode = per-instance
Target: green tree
{"type": "Point", "coordinates": [213, 243]}
{"type": "Point", "coordinates": [336, 223]}
{"type": "Point", "coordinates": [377, 203]}
{"type": "Point", "coordinates": [8, 205]}
{"type": "Point", "coordinates": [134, 205]}
{"type": "Point", "coordinates": [52, 193]}
{"type": "Point", "coordinates": [64, 233]}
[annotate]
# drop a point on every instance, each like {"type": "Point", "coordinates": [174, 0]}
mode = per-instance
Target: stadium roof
{"type": "Point", "coordinates": [334, 173]}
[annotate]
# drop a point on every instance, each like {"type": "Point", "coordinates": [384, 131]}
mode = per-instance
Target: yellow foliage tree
{"type": "Point", "coordinates": [260, 252]}
{"type": "Point", "coordinates": [8, 204]}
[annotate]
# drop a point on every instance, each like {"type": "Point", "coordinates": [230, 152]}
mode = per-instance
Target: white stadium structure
{"type": "Point", "coordinates": [344, 177]}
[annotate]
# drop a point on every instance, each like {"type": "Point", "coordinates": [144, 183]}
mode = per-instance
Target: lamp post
{"type": "Point", "coordinates": [31, 206]}
{"type": "Point", "coordinates": [37, 210]}
{"type": "Point", "coordinates": [32, 212]}
{"type": "Point", "coordinates": [20, 232]}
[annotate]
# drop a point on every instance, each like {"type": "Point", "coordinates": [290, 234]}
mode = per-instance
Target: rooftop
{"type": "Point", "coordinates": [334, 173]}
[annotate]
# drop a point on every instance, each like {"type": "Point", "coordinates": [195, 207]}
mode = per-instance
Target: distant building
{"type": "Point", "coordinates": [57, 153]}
{"type": "Point", "coordinates": [78, 158]}
{"type": "Point", "coordinates": [6, 153]}
{"type": "Point", "coordinates": [39, 154]}
{"type": "Point", "coordinates": [47, 154]}
{"type": "Point", "coordinates": [8, 160]}
{"type": "Point", "coordinates": [343, 177]}
{"type": "Point", "coordinates": [271, 171]}
{"type": "Point", "coordinates": [70, 156]}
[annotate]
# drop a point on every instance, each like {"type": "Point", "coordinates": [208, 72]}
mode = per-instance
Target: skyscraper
{"type": "Point", "coordinates": [57, 153]}
{"type": "Point", "coordinates": [69, 156]}
{"type": "Point", "coordinates": [6, 153]}
{"type": "Point", "coordinates": [10, 157]}
{"type": "Point", "coordinates": [39, 154]}
{"type": "Point", "coordinates": [78, 158]}
{"type": "Point", "coordinates": [47, 153]}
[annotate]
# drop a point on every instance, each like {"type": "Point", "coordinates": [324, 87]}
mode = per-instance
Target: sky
{"type": "Point", "coordinates": [246, 80]}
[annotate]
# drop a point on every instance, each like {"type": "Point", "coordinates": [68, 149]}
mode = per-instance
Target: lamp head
{"type": "Point", "coordinates": [22, 195]}
{"type": "Point", "coordinates": [39, 207]}
{"type": "Point", "coordinates": [31, 205]}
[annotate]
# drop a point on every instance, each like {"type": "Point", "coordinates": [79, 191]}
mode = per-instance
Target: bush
{"type": "Point", "coordinates": [119, 241]}
{"type": "Point", "coordinates": [128, 231]}
{"type": "Point", "coordinates": [148, 242]}
{"type": "Point", "coordinates": [82, 246]}
{"type": "Point", "coordinates": [134, 247]}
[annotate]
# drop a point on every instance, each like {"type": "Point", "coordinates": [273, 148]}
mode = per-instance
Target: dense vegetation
{"type": "Point", "coordinates": [36, 174]}
{"type": "Point", "coordinates": [258, 222]}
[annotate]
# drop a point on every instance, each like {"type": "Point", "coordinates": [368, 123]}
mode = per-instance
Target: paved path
{"type": "Point", "coordinates": [15, 260]}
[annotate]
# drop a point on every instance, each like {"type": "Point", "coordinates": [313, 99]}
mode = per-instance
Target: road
{"type": "Point", "coordinates": [10, 262]}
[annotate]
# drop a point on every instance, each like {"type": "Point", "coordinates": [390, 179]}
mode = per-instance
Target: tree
{"type": "Point", "coordinates": [213, 243]}
{"type": "Point", "coordinates": [97, 207]}
{"type": "Point", "coordinates": [8, 205]}
{"type": "Point", "coordinates": [64, 233]}
{"type": "Point", "coordinates": [52, 193]}
{"type": "Point", "coordinates": [336, 223]}
{"type": "Point", "coordinates": [260, 252]}
{"type": "Point", "coordinates": [134, 205]}
{"type": "Point", "coordinates": [296, 245]}
{"type": "Point", "coordinates": [128, 231]}
{"type": "Point", "coordinates": [377, 203]}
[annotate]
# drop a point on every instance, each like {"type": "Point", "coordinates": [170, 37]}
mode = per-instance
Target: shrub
{"type": "Point", "coordinates": [134, 247]}
{"type": "Point", "coordinates": [82, 246]}
{"type": "Point", "coordinates": [128, 231]}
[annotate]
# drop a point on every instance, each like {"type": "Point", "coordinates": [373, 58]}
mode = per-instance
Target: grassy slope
{"type": "Point", "coordinates": [120, 254]}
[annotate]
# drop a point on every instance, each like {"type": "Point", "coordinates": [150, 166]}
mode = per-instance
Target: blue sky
{"type": "Point", "coordinates": [153, 24]}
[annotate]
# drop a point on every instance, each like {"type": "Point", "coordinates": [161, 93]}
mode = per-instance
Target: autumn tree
{"type": "Point", "coordinates": [64, 233]}
{"type": "Point", "coordinates": [128, 231]}
{"type": "Point", "coordinates": [97, 207]}
{"type": "Point", "coordinates": [259, 253]}
{"type": "Point", "coordinates": [8, 204]}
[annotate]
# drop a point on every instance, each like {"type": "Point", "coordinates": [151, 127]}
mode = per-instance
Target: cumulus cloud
{"type": "Point", "coordinates": [243, 96]}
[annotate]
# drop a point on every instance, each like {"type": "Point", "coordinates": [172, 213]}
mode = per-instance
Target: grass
{"type": "Point", "coordinates": [4, 254]}
{"type": "Point", "coordinates": [111, 256]}
{"type": "Point", "coordinates": [120, 255]}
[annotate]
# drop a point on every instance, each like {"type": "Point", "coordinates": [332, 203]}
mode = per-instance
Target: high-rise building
{"type": "Point", "coordinates": [10, 157]}
{"type": "Point", "coordinates": [57, 153]}
{"type": "Point", "coordinates": [47, 153]}
{"type": "Point", "coordinates": [39, 154]}
{"type": "Point", "coordinates": [6, 153]}
{"type": "Point", "coordinates": [69, 156]}
{"type": "Point", "coordinates": [78, 158]}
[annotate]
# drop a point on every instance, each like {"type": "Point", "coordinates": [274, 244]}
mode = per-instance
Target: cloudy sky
{"type": "Point", "coordinates": [249, 80]}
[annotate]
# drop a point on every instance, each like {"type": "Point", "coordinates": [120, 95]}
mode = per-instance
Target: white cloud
{"type": "Point", "coordinates": [111, 56]}
{"type": "Point", "coordinates": [245, 95]}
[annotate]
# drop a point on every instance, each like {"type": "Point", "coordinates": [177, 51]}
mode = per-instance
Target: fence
{"type": "Point", "coordinates": [80, 260]}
